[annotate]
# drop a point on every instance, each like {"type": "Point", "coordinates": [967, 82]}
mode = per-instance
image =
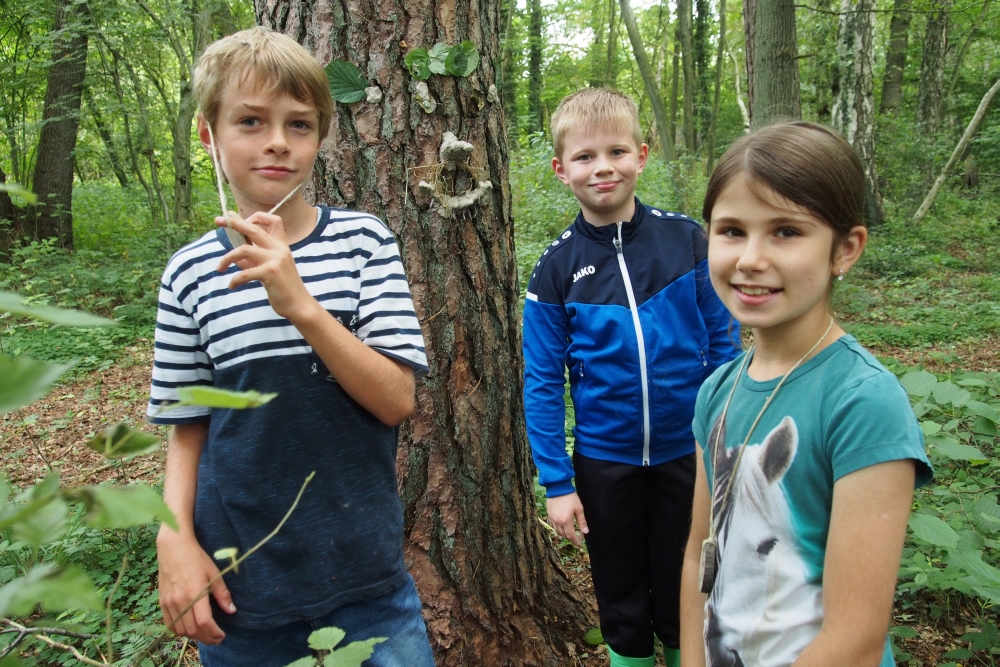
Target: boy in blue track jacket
{"type": "Point", "coordinates": [622, 299]}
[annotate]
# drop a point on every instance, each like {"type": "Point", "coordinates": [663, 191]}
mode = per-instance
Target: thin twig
{"type": "Point", "coordinates": [184, 647]}
{"type": "Point", "coordinates": [232, 566]}
{"type": "Point", "coordinates": [59, 645]}
{"type": "Point", "coordinates": [111, 595]}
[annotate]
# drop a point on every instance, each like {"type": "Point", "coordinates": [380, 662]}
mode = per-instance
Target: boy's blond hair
{"type": "Point", "coordinates": [277, 63]}
{"type": "Point", "coordinates": [595, 107]}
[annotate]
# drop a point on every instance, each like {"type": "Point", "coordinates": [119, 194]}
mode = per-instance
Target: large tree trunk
{"type": "Point", "coordinates": [53, 179]}
{"type": "Point", "coordinates": [854, 107]}
{"type": "Point", "coordinates": [772, 66]}
{"type": "Point", "coordinates": [535, 115]}
{"type": "Point", "coordinates": [687, 65]}
{"type": "Point", "coordinates": [493, 590]}
{"type": "Point", "coordinates": [895, 57]}
{"type": "Point", "coordinates": [932, 69]}
{"type": "Point", "coordinates": [652, 89]}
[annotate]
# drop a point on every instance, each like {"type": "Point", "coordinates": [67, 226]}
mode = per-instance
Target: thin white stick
{"type": "Point", "coordinates": [287, 197]}
{"type": "Point", "coordinates": [218, 170]}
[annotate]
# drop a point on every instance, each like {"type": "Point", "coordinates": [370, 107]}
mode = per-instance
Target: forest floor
{"type": "Point", "coordinates": [50, 435]}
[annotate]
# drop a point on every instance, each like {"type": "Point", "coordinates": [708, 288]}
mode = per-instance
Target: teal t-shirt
{"type": "Point", "coordinates": [839, 412]}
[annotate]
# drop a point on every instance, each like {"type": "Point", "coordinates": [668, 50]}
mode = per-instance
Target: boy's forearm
{"type": "Point", "coordinates": [381, 385]}
{"type": "Point", "coordinates": [180, 484]}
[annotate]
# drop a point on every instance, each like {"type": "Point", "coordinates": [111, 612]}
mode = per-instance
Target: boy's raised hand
{"type": "Point", "coordinates": [562, 511]}
{"type": "Point", "coordinates": [265, 257]}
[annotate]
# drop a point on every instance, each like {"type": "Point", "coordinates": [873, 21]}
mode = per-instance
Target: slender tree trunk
{"type": "Point", "coordinates": [854, 106]}
{"type": "Point", "coordinates": [610, 70]}
{"type": "Point", "coordinates": [53, 179]}
{"type": "Point", "coordinates": [8, 212]}
{"type": "Point", "coordinates": [772, 66]}
{"type": "Point", "coordinates": [960, 58]}
{"type": "Point", "coordinates": [535, 113]}
{"type": "Point", "coordinates": [970, 132]}
{"type": "Point", "coordinates": [700, 49]}
{"type": "Point", "coordinates": [932, 69]}
{"type": "Point", "coordinates": [652, 90]}
{"type": "Point", "coordinates": [509, 84]}
{"type": "Point", "coordinates": [109, 144]}
{"type": "Point", "coordinates": [675, 77]}
{"type": "Point", "coordinates": [493, 590]}
{"type": "Point", "coordinates": [687, 67]}
{"type": "Point", "coordinates": [895, 58]}
{"type": "Point", "coordinates": [597, 24]}
{"type": "Point", "coordinates": [720, 63]}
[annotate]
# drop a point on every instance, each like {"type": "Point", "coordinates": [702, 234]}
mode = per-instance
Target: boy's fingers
{"type": "Point", "coordinates": [205, 628]}
{"type": "Point", "coordinates": [222, 596]}
{"type": "Point", "coordinates": [581, 520]}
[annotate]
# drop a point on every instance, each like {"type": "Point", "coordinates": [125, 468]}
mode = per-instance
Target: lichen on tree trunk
{"type": "Point", "coordinates": [492, 587]}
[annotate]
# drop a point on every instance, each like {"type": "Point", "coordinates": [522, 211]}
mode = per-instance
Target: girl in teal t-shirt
{"type": "Point", "coordinates": [808, 449]}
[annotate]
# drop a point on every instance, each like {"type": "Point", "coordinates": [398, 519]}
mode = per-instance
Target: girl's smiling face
{"type": "Point", "coordinates": [772, 261]}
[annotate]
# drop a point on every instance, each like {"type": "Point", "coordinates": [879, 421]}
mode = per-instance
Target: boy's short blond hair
{"type": "Point", "coordinates": [595, 107]}
{"type": "Point", "coordinates": [277, 63]}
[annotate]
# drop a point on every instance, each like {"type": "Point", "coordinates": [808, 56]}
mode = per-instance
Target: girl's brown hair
{"type": "Point", "coordinates": [807, 164]}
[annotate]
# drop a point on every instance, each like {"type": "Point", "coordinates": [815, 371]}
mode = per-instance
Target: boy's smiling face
{"type": "Point", "coordinates": [601, 167]}
{"type": "Point", "coordinates": [268, 143]}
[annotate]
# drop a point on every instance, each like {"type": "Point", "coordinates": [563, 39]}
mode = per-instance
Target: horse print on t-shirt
{"type": "Point", "coordinates": [762, 610]}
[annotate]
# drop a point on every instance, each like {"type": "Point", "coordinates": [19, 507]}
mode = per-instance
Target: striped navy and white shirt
{"type": "Point", "coordinates": [344, 541]}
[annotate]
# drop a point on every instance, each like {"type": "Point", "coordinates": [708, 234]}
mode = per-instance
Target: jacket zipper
{"type": "Point", "coordinates": [642, 345]}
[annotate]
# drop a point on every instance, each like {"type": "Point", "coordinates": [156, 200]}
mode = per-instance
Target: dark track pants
{"type": "Point", "coordinates": [639, 518]}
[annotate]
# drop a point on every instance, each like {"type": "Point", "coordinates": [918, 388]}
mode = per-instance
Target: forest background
{"type": "Point", "coordinates": [96, 111]}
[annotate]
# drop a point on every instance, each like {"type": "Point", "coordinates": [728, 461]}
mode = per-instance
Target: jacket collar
{"type": "Point", "coordinates": [608, 232]}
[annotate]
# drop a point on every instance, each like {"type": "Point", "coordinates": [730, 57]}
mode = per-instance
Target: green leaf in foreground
{"type": "Point", "coordinates": [903, 632]}
{"type": "Point", "coordinates": [124, 506]}
{"type": "Point", "coordinates": [353, 654]}
{"type": "Point", "coordinates": [347, 81]}
{"type": "Point", "coordinates": [934, 530]}
{"type": "Point", "coordinates": [438, 55]}
{"type": "Point", "coordinates": [123, 440]}
{"type": "Point", "coordinates": [20, 191]}
{"type": "Point", "coordinates": [594, 637]}
{"type": "Point", "coordinates": [325, 639]}
{"type": "Point", "coordinates": [308, 661]}
{"type": "Point", "coordinates": [418, 63]}
{"type": "Point", "coordinates": [919, 383]}
{"type": "Point", "coordinates": [13, 303]}
{"type": "Point", "coordinates": [959, 452]}
{"type": "Point", "coordinates": [462, 59]}
{"type": "Point", "coordinates": [44, 524]}
{"type": "Point", "coordinates": [25, 380]}
{"type": "Point", "coordinates": [56, 589]}
{"type": "Point", "coordinates": [210, 397]}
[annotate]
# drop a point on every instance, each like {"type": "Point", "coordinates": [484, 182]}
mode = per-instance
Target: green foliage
{"type": "Point", "coordinates": [120, 441]}
{"type": "Point", "coordinates": [460, 60]}
{"type": "Point", "coordinates": [347, 81]}
{"type": "Point", "coordinates": [26, 380]}
{"type": "Point", "coordinates": [221, 398]}
{"type": "Point", "coordinates": [325, 640]}
{"type": "Point", "coordinates": [18, 191]}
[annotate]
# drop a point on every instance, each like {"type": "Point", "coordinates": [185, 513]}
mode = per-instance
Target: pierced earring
{"type": "Point", "coordinates": [841, 276]}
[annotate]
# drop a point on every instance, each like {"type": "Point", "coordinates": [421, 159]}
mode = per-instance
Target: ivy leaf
{"type": "Point", "coordinates": [25, 380]}
{"type": "Point", "coordinates": [122, 440]}
{"type": "Point", "coordinates": [438, 55]}
{"type": "Point", "coordinates": [56, 589]}
{"type": "Point", "coordinates": [462, 59]}
{"type": "Point", "coordinates": [594, 637]}
{"type": "Point", "coordinates": [347, 81]}
{"type": "Point", "coordinates": [20, 191]}
{"type": "Point", "coordinates": [210, 397]}
{"type": "Point", "coordinates": [918, 383]}
{"type": "Point", "coordinates": [354, 653]}
{"type": "Point", "coordinates": [418, 63]}
{"type": "Point", "coordinates": [946, 392]}
{"type": "Point", "coordinates": [934, 530]}
{"type": "Point", "coordinates": [13, 303]}
{"type": "Point", "coordinates": [325, 639]}
{"type": "Point", "coordinates": [122, 507]}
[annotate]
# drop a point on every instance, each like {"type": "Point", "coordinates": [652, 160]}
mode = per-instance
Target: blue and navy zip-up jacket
{"type": "Point", "coordinates": [630, 310]}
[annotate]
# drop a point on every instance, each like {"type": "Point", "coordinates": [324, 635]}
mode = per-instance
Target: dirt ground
{"type": "Point", "coordinates": [50, 435]}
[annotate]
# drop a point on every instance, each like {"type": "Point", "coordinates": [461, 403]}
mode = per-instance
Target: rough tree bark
{"type": "Point", "coordinates": [53, 179]}
{"type": "Point", "coordinates": [652, 89]}
{"type": "Point", "coordinates": [772, 67]}
{"type": "Point", "coordinates": [493, 590]}
{"type": "Point", "coordinates": [854, 107]}
{"type": "Point", "coordinates": [687, 66]}
{"type": "Point", "coordinates": [895, 57]}
{"type": "Point", "coordinates": [932, 69]}
{"type": "Point", "coordinates": [535, 115]}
